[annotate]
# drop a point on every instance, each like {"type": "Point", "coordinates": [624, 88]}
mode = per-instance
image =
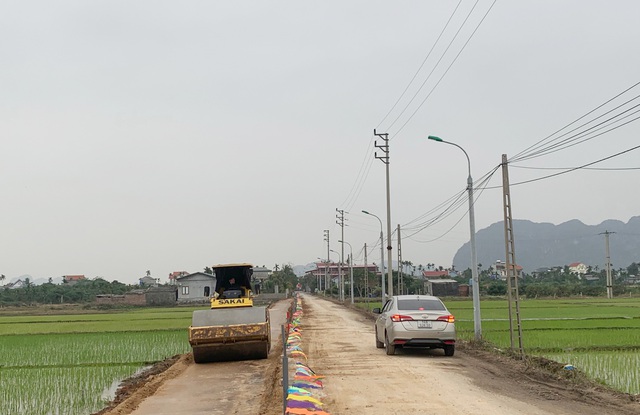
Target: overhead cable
{"type": "Point", "coordinates": [529, 149]}
{"type": "Point", "coordinates": [445, 72]}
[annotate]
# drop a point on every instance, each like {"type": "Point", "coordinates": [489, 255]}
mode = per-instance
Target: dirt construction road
{"type": "Point", "coordinates": [361, 379]}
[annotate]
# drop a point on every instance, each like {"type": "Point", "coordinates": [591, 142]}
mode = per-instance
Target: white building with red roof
{"type": "Point", "coordinates": [578, 268]}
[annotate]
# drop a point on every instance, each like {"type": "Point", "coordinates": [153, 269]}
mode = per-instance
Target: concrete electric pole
{"type": "Point", "coordinates": [340, 221]}
{"type": "Point", "coordinates": [608, 264]}
{"type": "Point", "coordinates": [385, 159]}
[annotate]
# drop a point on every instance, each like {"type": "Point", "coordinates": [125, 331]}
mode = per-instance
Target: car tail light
{"type": "Point", "coordinates": [396, 318]}
{"type": "Point", "coordinates": [449, 319]}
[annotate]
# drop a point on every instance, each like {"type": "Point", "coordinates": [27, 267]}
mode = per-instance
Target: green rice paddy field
{"type": "Point", "coordinates": [600, 337]}
{"type": "Point", "coordinates": [71, 364]}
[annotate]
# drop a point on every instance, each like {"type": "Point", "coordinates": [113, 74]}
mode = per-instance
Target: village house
{"type": "Point", "coordinates": [72, 279]}
{"type": "Point", "coordinates": [435, 274]}
{"type": "Point", "coordinates": [174, 276]}
{"type": "Point", "coordinates": [501, 270]}
{"type": "Point", "coordinates": [196, 287]}
{"type": "Point", "coordinates": [578, 268]}
{"type": "Point", "coordinates": [332, 270]}
{"type": "Point", "coordinates": [260, 274]}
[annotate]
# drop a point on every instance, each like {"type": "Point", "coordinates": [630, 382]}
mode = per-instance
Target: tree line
{"type": "Point", "coordinates": [83, 291]}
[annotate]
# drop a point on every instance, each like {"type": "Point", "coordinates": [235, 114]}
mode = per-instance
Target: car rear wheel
{"type": "Point", "coordinates": [389, 348]}
{"type": "Point", "coordinates": [449, 349]}
{"type": "Point", "coordinates": [379, 344]}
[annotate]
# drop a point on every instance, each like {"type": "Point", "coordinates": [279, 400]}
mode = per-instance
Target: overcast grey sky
{"type": "Point", "coordinates": [167, 136]}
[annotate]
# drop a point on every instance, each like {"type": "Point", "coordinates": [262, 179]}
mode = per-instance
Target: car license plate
{"type": "Point", "coordinates": [424, 324]}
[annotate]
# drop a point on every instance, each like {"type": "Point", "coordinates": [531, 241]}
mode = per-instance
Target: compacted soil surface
{"type": "Point", "coordinates": [361, 379]}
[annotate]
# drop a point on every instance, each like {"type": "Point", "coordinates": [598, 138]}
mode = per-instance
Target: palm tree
{"type": "Point", "coordinates": [2, 277]}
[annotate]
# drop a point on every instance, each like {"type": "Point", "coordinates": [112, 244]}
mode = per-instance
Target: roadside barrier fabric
{"type": "Point", "coordinates": [304, 394]}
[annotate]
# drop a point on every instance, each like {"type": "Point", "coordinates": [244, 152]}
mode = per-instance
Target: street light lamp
{"type": "Point", "coordinates": [339, 270]}
{"type": "Point", "coordinates": [381, 253]}
{"type": "Point", "coordinates": [477, 325]}
{"type": "Point", "coordinates": [350, 269]}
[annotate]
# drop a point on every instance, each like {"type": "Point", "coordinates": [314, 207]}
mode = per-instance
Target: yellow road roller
{"type": "Point", "coordinates": [233, 328]}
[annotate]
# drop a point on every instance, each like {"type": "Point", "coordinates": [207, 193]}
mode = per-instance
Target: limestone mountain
{"type": "Point", "coordinates": [540, 245]}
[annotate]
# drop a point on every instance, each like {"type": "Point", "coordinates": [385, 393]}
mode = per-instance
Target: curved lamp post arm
{"type": "Point", "coordinates": [434, 138]}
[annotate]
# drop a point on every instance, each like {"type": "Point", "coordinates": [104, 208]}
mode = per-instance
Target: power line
{"type": "Point", "coordinates": [583, 135]}
{"type": "Point", "coordinates": [425, 224]}
{"type": "Point", "coordinates": [455, 36]}
{"type": "Point", "coordinates": [524, 152]}
{"type": "Point", "coordinates": [580, 137]}
{"type": "Point", "coordinates": [483, 182]}
{"type": "Point", "coordinates": [365, 167]}
{"type": "Point", "coordinates": [567, 168]}
{"type": "Point", "coordinates": [577, 168]}
{"type": "Point", "coordinates": [361, 178]}
{"type": "Point", "coordinates": [421, 65]}
{"type": "Point", "coordinates": [367, 162]}
{"type": "Point", "coordinates": [446, 71]}
{"type": "Point", "coordinates": [451, 202]}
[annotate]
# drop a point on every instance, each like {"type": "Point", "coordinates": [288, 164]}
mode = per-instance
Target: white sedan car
{"type": "Point", "coordinates": [420, 321]}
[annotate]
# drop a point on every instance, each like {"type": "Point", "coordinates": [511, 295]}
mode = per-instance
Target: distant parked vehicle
{"type": "Point", "coordinates": [415, 321]}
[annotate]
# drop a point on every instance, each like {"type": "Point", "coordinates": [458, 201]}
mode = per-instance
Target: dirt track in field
{"type": "Point", "coordinates": [339, 344]}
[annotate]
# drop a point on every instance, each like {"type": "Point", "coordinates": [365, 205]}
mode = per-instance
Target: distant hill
{"type": "Point", "coordinates": [34, 281]}
{"type": "Point", "coordinates": [540, 245]}
{"type": "Point", "coordinates": [300, 270]}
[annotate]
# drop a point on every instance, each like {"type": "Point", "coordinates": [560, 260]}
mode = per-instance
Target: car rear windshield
{"type": "Point", "coordinates": [420, 304]}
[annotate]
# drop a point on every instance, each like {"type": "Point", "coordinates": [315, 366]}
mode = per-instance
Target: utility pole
{"type": "Point", "coordinates": [608, 265]}
{"type": "Point", "coordinates": [385, 159]}
{"type": "Point", "coordinates": [383, 285]}
{"type": "Point", "coordinates": [340, 221]}
{"type": "Point", "coordinates": [510, 263]}
{"type": "Point", "coordinates": [353, 301]}
{"type": "Point", "coordinates": [400, 275]}
{"type": "Point", "coordinates": [326, 270]}
{"type": "Point", "coordinates": [366, 277]}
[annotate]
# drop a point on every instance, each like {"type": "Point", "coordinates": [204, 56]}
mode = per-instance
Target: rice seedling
{"type": "Point", "coordinates": [598, 336]}
{"type": "Point", "coordinates": [57, 390]}
{"type": "Point", "coordinates": [65, 365]}
{"type": "Point", "coordinates": [618, 369]}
